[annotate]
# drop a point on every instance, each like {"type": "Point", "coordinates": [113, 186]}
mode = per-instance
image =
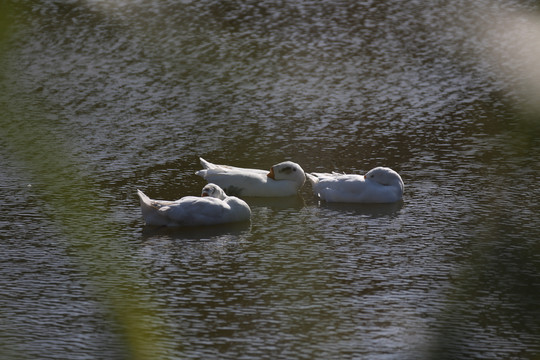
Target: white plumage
{"type": "Point", "coordinates": [283, 179]}
{"type": "Point", "coordinates": [212, 208]}
{"type": "Point", "coordinates": [379, 185]}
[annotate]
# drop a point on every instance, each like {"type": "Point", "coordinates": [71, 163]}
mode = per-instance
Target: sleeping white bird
{"type": "Point", "coordinates": [212, 208]}
{"type": "Point", "coordinates": [379, 185]}
{"type": "Point", "coordinates": [283, 179]}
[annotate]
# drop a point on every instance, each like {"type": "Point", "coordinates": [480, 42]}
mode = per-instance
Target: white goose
{"type": "Point", "coordinates": [283, 179]}
{"type": "Point", "coordinates": [379, 185]}
{"type": "Point", "coordinates": [212, 208]}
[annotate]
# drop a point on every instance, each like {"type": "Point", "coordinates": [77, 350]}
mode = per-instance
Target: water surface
{"type": "Point", "coordinates": [100, 98]}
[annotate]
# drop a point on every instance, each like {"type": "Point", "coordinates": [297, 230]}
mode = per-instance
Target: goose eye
{"type": "Point", "coordinates": [286, 169]}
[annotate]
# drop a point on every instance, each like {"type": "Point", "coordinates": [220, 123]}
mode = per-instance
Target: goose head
{"type": "Point", "coordinates": [384, 176]}
{"type": "Point", "coordinates": [212, 190]}
{"type": "Point", "coordinates": [288, 170]}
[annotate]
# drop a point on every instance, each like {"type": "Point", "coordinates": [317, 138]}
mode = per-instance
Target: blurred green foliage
{"type": "Point", "coordinates": [82, 216]}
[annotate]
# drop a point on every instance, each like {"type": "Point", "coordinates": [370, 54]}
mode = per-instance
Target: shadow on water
{"type": "Point", "coordinates": [368, 210]}
{"type": "Point", "coordinates": [197, 232]}
{"type": "Point", "coordinates": [280, 203]}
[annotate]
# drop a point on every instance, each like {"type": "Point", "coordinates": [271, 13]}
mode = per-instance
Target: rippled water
{"type": "Point", "coordinates": [100, 98]}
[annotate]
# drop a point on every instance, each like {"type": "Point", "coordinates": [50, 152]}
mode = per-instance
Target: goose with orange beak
{"type": "Point", "coordinates": [283, 179]}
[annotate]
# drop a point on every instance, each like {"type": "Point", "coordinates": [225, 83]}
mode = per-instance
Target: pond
{"type": "Point", "coordinates": [100, 98]}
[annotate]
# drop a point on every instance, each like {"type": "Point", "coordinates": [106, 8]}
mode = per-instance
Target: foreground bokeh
{"type": "Point", "coordinates": [99, 98]}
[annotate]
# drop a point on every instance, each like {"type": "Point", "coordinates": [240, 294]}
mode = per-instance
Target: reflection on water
{"type": "Point", "coordinates": [282, 203]}
{"type": "Point", "coordinates": [367, 210]}
{"type": "Point", "coordinates": [197, 232]}
{"type": "Point", "coordinates": [101, 98]}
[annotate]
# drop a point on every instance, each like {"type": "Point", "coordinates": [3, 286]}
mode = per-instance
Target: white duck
{"type": "Point", "coordinates": [283, 179]}
{"type": "Point", "coordinates": [379, 185]}
{"type": "Point", "coordinates": [212, 208]}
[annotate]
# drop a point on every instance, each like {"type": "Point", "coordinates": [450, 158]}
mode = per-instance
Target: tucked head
{"type": "Point", "coordinates": [214, 191]}
{"type": "Point", "coordinates": [288, 170]}
{"type": "Point", "coordinates": [384, 176]}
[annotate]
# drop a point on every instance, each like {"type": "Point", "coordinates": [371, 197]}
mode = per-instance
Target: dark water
{"type": "Point", "coordinates": [99, 98]}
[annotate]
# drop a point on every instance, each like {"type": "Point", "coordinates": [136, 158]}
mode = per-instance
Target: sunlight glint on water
{"type": "Point", "coordinates": [132, 93]}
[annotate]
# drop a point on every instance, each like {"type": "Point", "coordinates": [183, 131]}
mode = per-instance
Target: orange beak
{"type": "Point", "coordinates": [365, 177]}
{"type": "Point", "coordinates": [204, 194]}
{"type": "Point", "coordinates": [271, 174]}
